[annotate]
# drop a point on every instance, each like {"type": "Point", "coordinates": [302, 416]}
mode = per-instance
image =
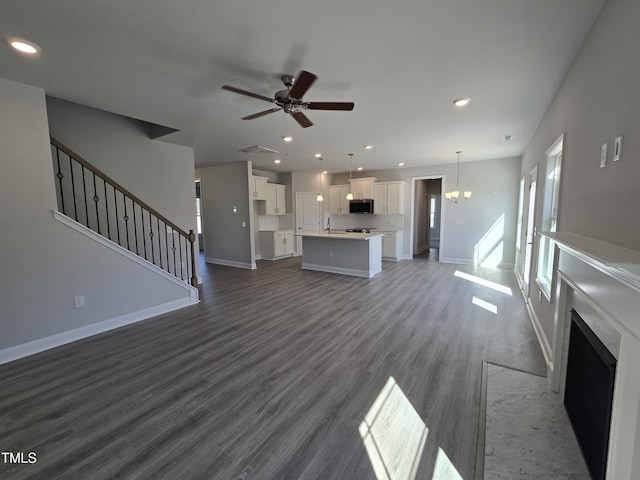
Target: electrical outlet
{"type": "Point", "coordinates": [330, 254]}
{"type": "Point", "coordinates": [617, 149]}
{"type": "Point", "coordinates": [79, 301]}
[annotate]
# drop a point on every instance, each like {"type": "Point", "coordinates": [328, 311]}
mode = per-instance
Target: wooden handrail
{"type": "Point", "coordinates": [78, 158]}
{"type": "Point", "coordinates": [190, 236]}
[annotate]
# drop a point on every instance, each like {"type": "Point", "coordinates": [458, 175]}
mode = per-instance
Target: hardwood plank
{"type": "Point", "coordinates": [269, 376]}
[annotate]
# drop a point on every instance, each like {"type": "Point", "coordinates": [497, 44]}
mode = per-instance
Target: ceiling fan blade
{"type": "Point", "coordinates": [304, 80]}
{"type": "Point", "coordinates": [261, 114]}
{"type": "Point", "coordinates": [248, 94]}
{"type": "Point", "coordinates": [330, 105]}
{"type": "Point", "coordinates": [302, 119]}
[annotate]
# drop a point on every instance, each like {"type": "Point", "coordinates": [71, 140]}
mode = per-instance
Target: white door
{"type": "Point", "coordinates": [307, 216]}
{"type": "Point", "coordinates": [530, 231]}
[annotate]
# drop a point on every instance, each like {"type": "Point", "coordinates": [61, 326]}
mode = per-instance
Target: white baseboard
{"type": "Point", "coordinates": [230, 263]}
{"type": "Point", "coordinates": [36, 346]}
{"type": "Point", "coordinates": [459, 261]}
{"type": "Point", "coordinates": [343, 271]}
{"type": "Point", "coordinates": [542, 338]}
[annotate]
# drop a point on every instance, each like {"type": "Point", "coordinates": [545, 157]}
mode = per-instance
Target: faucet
{"type": "Point", "coordinates": [329, 225]}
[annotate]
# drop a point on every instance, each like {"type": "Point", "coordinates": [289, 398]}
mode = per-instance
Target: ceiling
{"type": "Point", "coordinates": [401, 62]}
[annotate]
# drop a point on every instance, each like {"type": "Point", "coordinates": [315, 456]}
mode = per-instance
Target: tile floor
{"type": "Point", "coordinates": [528, 434]}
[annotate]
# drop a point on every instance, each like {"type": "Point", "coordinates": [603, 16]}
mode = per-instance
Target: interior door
{"type": "Point", "coordinates": [307, 216]}
{"type": "Point", "coordinates": [530, 231]}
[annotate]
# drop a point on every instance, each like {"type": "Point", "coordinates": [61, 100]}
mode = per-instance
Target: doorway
{"type": "Point", "coordinates": [426, 215]}
{"type": "Point", "coordinates": [308, 216]}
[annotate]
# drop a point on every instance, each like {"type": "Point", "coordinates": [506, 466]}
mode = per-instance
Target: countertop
{"type": "Point", "coordinates": [344, 235]}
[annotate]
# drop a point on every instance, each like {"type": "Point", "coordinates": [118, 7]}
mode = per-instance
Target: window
{"type": "Point", "coordinates": [432, 212]}
{"type": "Point", "coordinates": [198, 208]}
{"type": "Point", "coordinates": [546, 247]}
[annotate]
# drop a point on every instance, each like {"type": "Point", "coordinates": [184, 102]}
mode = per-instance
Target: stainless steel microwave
{"type": "Point", "coordinates": [361, 206]}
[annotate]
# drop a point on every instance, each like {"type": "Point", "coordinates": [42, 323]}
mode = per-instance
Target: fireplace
{"type": "Point", "coordinates": [601, 282]}
{"type": "Point", "coordinates": [588, 394]}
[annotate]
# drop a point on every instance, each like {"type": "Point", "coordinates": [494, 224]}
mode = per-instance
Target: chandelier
{"type": "Point", "coordinates": [454, 196]}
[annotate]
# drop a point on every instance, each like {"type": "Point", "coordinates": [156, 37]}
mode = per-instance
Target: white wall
{"type": "Point", "coordinates": [160, 173]}
{"type": "Point", "coordinates": [226, 207]}
{"type": "Point", "coordinates": [597, 101]}
{"type": "Point", "coordinates": [492, 209]}
{"type": "Point", "coordinates": [45, 263]}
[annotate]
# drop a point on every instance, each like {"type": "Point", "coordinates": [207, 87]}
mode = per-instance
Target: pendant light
{"type": "Point", "coordinates": [320, 198]}
{"type": "Point", "coordinates": [350, 195]}
{"type": "Point", "coordinates": [454, 196]}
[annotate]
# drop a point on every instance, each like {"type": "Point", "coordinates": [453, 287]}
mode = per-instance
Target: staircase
{"type": "Point", "coordinates": [93, 199]}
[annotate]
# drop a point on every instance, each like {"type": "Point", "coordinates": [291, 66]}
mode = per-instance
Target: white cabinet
{"type": "Point", "coordinates": [388, 197]}
{"type": "Point", "coordinates": [362, 187]}
{"type": "Point", "coordinates": [276, 244]}
{"type": "Point", "coordinates": [259, 187]}
{"type": "Point", "coordinates": [338, 202]}
{"type": "Point", "coordinates": [275, 201]}
{"type": "Point", "coordinates": [392, 246]}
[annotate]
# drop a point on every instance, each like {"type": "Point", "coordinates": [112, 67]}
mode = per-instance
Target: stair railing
{"type": "Point", "coordinates": [98, 202]}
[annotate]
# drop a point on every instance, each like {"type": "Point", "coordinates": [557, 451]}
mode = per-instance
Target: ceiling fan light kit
{"type": "Point", "coordinates": [290, 99]}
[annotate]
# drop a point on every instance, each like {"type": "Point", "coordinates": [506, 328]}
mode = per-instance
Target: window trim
{"type": "Point", "coordinates": [545, 267]}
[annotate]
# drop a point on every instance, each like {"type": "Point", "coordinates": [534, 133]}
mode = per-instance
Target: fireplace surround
{"type": "Point", "coordinates": [601, 281]}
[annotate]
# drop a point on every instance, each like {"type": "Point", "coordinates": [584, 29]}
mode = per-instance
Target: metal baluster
{"type": "Point", "coordinates": [86, 207]}
{"type": "Point", "coordinates": [60, 176]}
{"type": "Point", "coordinates": [73, 188]}
{"type": "Point", "coordinates": [95, 201]}
{"type": "Point", "coordinates": [135, 227]}
{"type": "Point", "coordinates": [126, 220]}
{"type": "Point", "coordinates": [115, 203]}
{"type": "Point", "coordinates": [166, 245]}
{"type": "Point", "coordinates": [173, 248]}
{"type": "Point", "coordinates": [159, 244]}
{"type": "Point", "coordinates": [106, 208]}
{"type": "Point", "coordinates": [153, 256]}
{"type": "Point", "coordinates": [144, 235]}
{"type": "Point", "coordinates": [180, 248]}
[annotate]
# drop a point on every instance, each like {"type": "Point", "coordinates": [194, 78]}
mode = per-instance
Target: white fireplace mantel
{"type": "Point", "coordinates": [606, 277]}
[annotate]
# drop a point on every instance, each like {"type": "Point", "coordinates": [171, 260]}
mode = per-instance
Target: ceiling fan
{"type": "Point", "coordinates": [290, 99]}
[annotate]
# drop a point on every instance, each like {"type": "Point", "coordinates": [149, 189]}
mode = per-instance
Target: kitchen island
{"type": "Point", "coordinates": [358, 254]}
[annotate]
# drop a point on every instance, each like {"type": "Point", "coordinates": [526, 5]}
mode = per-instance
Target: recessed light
{"type": "Point", "coordinates": [461, 102]}
{"type": "Point", "coordinates": [287, 139]}
{"type": "Point", "coordinates": [368, 147]}
{"type": "Point", "coordinates": [24, 46]}
{"type": "Point", "coordinates": [277, 160]}
{"type": "Point", "coordinates": [401, 164]}
{"type": "Point", "coordinates": [324, 172]}
{"type": "Point", "coordinates": [317, 155]}
{"type": "Point", "coordinates": [359, 169]}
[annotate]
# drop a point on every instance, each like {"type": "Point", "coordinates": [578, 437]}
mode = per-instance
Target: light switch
{"type": "Point", "coordinates": [603, 156]}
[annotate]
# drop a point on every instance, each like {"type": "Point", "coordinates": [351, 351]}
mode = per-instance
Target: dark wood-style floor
{"type": "Point", "coordinates": [268, 377]}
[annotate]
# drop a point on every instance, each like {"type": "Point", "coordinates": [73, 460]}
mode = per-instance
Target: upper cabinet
{"type": "Point", "coordinates": [275, 199]}
{"type": "Point", "coordinates": [388, 197]}
{"type": "Point", "coordinates": [338, 202]}
{"type": "Point", "coordinates": [259, 186]}
{"type": "Point", "coordinates": [362, 188]}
